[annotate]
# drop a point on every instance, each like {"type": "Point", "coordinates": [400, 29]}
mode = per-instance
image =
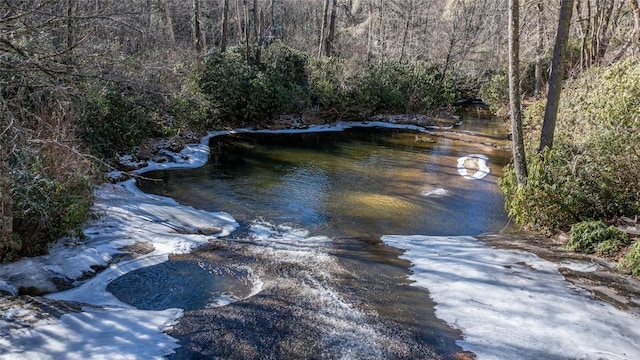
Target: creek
{"type": "Point", "coordinates": [312, 209]}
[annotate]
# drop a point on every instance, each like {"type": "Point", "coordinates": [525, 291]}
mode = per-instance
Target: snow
{"type": "Point", "coordinates": [113, 330]}
{"type": "Point", "coordinates": [514, 305]}
{"type": "Point", "coordinates": [109, 333]}
{"type": "Point", "coordinates": [474, 166]}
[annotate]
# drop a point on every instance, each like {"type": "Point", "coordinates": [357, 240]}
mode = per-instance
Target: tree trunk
{"type": "Point", "coordinates": [332, 29]}
{"type": "Point", "coordinates": [70, 35]}
{"type": "Point", "coordinates": [635, 40]}
{"type": "Point", "coordinates": [557, 75]}
{"type": "Point", "coordinates": [199, 40]}
{"type": "Point", "coordinates": [257, 31]}
{"type": "Point", "coordinates": [519, 160]}
{"type": "Point", "coordinates": [6, 200]}
{"type": "Point", "coordinates": [323, 28]}
{"type": "Point", "coordinates": [247, 32]}
{"type": "Point", "coordinates": [407, 27]}
{"type": "Point", "coordinates": [240, 32]}
{"type": "Point", "coordinates": [539, 49]}
{"type": "Point", "coordinates": [225, 26]}
{"type": "Point", "coordinates": [168, 20]}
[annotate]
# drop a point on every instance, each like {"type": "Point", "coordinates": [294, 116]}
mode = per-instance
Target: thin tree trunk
{"type": "Point", "coordinates": [539, 49]}
{"type": "Point", "coordinates": [323, 28]}
{"type": "Point", "coordinates": [239, 21]}
{"type": "Point", "coordinates": [585, 29]}
{"type": "Point", "coordinates": [168, 20]}
{"type": "Point", "coordinates": [370, 34]}
{"type": "Point", "coordinates": [557, 75]}
{"type": "Point", "coordinates": [199, 40]}
{"type": "Point", "coordinates": [407, 27]}
{"type": "Point", "coordinates": [635, 39]}
{"type": "Point", "coordinates": [519, 160]}
{"type": "Point", "coordinates": [332, 29]}
{"type": "Point", "coordinates": [6, 200]}
{"type": "Point", "coordinates": [256, 19]}
{"type": "Point", "coordinates": [70, 35]}
{"type": "Point", "coordinates": [247, 32]}
{"type": "Point", "coordinates": [382, 31]}
{"type": "Point", "coordinates": [225, 26]}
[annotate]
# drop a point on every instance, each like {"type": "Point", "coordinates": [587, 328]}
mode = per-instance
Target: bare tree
{"type": "Point", "coordinates": [332, 29]}
{"type": "Point", "coordinates": [539, 48]}
{"type": "Point", "coordinates": [199, 37]}
{"type": "Point", "coordinates": [557, 75]}
{"type": "Point", "coordinates": [323, 28]}
{"type": "Point", "coordinates": [6, 200]}
{"type": "Point", "coordinates": [168, 19]}
{"type": "Point", "coordinates": [519, 160]}
{"type": "Point", "coordinates": [225, 26]}
{"type": "Point", "coordinates": [635, 37]}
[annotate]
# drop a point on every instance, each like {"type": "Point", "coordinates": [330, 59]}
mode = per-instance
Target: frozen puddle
{"type": "Point", "coordinates": [515, 305]}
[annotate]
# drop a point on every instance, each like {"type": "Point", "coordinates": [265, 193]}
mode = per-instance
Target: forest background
{"type": "Point", "coordinates": [83, 81]}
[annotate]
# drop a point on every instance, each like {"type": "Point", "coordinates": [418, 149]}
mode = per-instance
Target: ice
{"type": "Point", "coordinates": [514, 305]}
{"type": "Point", "coordinates": [109, 333]}
{"type": "Point", "coordinates": [474, 166]}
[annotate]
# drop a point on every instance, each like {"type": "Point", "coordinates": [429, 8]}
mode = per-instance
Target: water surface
{"type": "Point", "coordinates": [351, 187]}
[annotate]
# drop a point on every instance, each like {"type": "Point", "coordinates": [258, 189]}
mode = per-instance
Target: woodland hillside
{"type": "Point", "coordinates": [82, 81]}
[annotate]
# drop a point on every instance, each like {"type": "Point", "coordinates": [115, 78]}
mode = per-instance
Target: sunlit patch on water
{"type": "Point", "coordinates": [185, 284]}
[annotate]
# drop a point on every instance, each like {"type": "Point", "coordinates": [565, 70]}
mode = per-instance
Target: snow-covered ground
{"type": "Point", "coordinates": [508, 304]}
{"type": "Point", "coordinates": [514, 305]}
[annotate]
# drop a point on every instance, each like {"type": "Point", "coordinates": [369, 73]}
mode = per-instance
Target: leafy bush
{"type": "Point", "coordinates": [595, 236]}
{"type": "Point", "coordinates": [631, 260]}
{"type": "Point", "coordinates": [592, 170]}
{"type": "Point", "coordinates": [495, 93]}
{"type": "Point", "coordinates": [190, 110]}
{"type": "Point", "coordinates": [52, 194]}
{"type": "Point", "coordinates": [249, 93]}
{"type": "Point", "coordinates": [113, 122]}
{"type": "Point", "coordinates": [392, 86]}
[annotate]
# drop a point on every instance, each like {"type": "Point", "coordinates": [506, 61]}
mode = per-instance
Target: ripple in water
{"type": "Point", "coordinates": [185, 284]}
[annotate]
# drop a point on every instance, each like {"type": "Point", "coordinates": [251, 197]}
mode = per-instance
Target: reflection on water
{"type": "Point", "coordinates": [356, 183]}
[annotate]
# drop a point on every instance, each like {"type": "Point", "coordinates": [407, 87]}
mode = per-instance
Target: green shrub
{"type": "Point", "coordinates": [190, 110]}
{"type": "Point", "coordinates": [52, 195]}
{"type": "Point", "coordinates": [594, 236]}
{"type": "Point", "coordinates": [249, 93]}
{"type": "Point", "coordinates": [113, 122]}
{"type": "Point", "coordinates": [631, 260]}
{"type": "Point", "coordinates": [402, 87]}
{"type": "Point", "coordinates": [592, 170]}
{"type": "Point", "coordinates": [391, 87]}
{"type": "Point", "coordinates": [495, 93]}
{"type": "Point", "coordinates": [332, 83]}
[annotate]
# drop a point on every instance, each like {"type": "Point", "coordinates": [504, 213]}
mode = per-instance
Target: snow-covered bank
{"type": "Point", "coordinates": [128, 217]}
{"type": "Point", "coordinates": [514, 305]}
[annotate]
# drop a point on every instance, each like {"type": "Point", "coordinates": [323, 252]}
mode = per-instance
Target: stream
{"type": "Point", "coordinates": [313, 208]}
{"type": "Point", "coordinates": [342, 241]}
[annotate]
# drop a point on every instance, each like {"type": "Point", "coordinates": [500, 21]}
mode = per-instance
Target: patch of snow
{"type": "Point", "coordinates": [109, 333]}
{"type": "Point", "coordinates": [116, 331]}
{"type": "Point", "coordinates": [478, 168]}
{"type": "Point", "coordinates": [514, 305]}
{"type": "Point", "coordinates": [435, 192]}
